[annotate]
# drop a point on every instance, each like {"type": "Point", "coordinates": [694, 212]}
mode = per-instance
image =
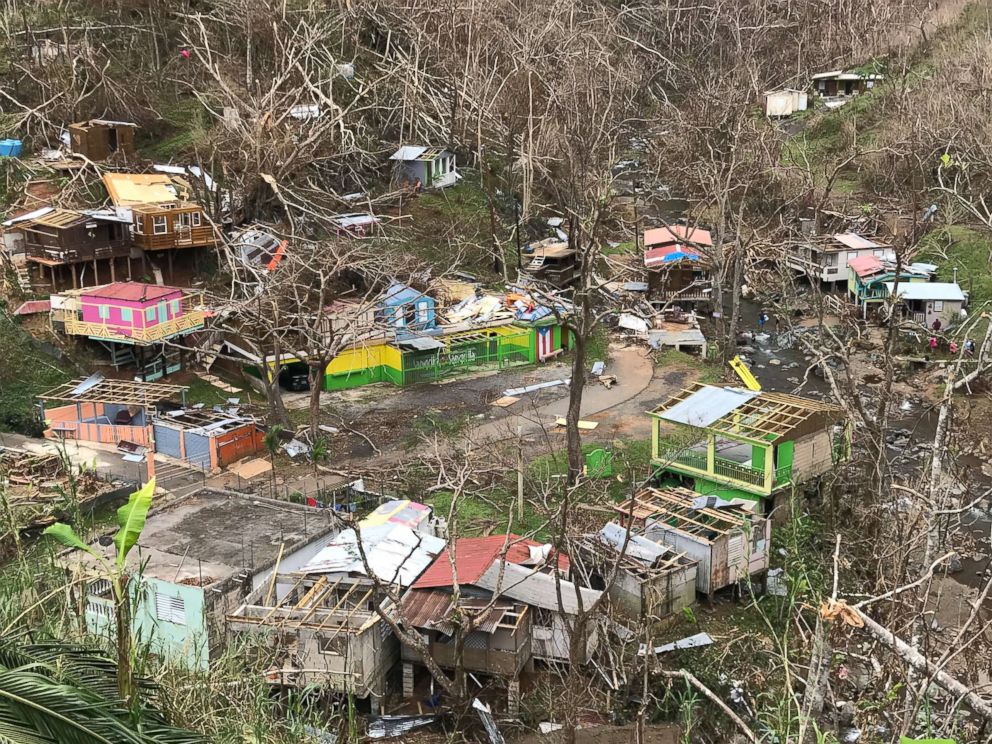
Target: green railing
{"type": "Point", "coordinates": [723, 467]}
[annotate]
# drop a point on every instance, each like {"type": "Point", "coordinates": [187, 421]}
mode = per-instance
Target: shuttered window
{"type": "Point", "coordinates": [170, 609]}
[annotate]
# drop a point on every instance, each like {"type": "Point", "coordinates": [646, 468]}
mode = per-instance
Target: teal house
{"type": "Point", "coordinates": [196, 560]}
{"type": "Point", "coordinates": [868, 275]}
{"type": "Point", "coordinates": [736, 443]}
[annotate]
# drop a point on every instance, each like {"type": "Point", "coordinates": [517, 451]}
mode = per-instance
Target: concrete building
{"type": "Point", "coordinates": [197, 558]}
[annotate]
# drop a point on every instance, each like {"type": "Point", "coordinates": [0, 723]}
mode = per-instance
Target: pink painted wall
{"type": "Point", "coordinates": [116, 310]}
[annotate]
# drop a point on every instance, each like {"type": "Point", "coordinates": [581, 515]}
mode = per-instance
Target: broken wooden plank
{"type": "Point", "coordinates": [584, 425]}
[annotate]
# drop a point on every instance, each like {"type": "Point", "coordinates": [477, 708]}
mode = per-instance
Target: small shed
{"type": "Point", "coordinates": [406, 309]}
{"type": "Point", "coordinates": [206, 439]}
{"type": "Point", "coordinates": [785, 102]}
{"type": "Point", "coordinates": [427, 167]}
{"type": "Point", "coordinates": [653, 580]}
{"type": "Point", "coordinates": [729, 542]}
{"type": "Point", "coordinates": [926, 302]}
{"type": "Point", "coordinates": [99, 139]}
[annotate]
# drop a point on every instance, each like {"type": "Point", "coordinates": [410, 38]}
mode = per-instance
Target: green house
{"type": "Point", "coordinates": [867, 277]}
{"type": "Point", "coordinates": [737, 443]}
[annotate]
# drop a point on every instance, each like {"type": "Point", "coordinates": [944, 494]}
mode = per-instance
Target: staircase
{"type": "Point", "coordinates": [23, 277]}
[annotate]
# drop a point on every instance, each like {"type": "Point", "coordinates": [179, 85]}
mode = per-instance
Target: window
{"type": "Point", "coordinates": [938, 306]}
{"type": "Point", "coordinates": [831, 259]}
{"type": "Point", "coordinates": [127, 315]}
{"type": "Point", "coordinates": [103, 311]}
{"type": "Point", "coordinates": [150, 315]}
{"type": "Point", "coordinates": [175, 307]}
{"type": "Point", "coordinates": [332, 645]}
{"type": "Point", "coordinates": [195, 216]}
{"type": "Point", "coordinates": [170, 609]}
{"type": "Point", "coordinates": [160, 225]}
{"type": "Point", "coordinates": [139, 224]}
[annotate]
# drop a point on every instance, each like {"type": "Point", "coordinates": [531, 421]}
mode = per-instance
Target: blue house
{"type": "Point", "coordinates": [407, 310]}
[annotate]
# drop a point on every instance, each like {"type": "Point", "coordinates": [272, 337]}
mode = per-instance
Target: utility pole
{"type": "Point", "coordinates": [520, 473]}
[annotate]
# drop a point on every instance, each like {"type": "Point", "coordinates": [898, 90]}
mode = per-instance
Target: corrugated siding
{"type": "Point", "coordinates": [197, 449]}
{"type": "Point", "coordinates": [167, 440]}
{"type": "Point", "coordinates": [812, 455]}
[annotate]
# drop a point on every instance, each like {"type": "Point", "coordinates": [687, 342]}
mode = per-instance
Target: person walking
{"type": "Point", "coordinates": [933, 344]}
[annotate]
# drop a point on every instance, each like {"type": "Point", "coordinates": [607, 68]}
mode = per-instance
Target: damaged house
{"type": "Point", "coordinates": [99, 139]}
{"type": "Point", "coordinates": [869, 276]}
{"type": "Point", "coordinates": [825, 259]}
{"type": "Point", "coordinates": [678, 264]}
{"type": "Point", "coordinates": [189, 571]}
{"type": "Point", "coordinates": [747, 444]}
{"type": "Point", "coordinates": [76, 247]}
{"type": "Point", "coordinates": [164, 217]}
{"type": "Point", "coordinates": [425, 167]}
{"type": "Point", "coordinates": [552, 262]}
{"type": "Point", "coordinates": [320, 615]}
{"type": "Point", "coordinates": [152, 416]}
{"type": "Point", "coordinates": [653, 581]}
{"type": "Point", "coordinates": [519, 600]}
{"type": "Point", "coordinates": [728, 543]}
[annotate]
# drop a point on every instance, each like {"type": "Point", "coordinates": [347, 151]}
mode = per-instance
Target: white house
{"type": "Point", "coordinates": [925, 302]}
{"type": "Point", "coordinates": [428, 167]}
{"type": "Point", "coordinates": [826, 259]}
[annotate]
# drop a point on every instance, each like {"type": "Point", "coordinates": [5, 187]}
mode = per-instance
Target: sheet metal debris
{"type": "Point", "coordinates": [514, 392]}
{"type": "Point", "coordinates": [488, 722]}
{"type": "Point", "coordinates": [385, 727]}
{"type": "Point", "coordinates": [693, 641]}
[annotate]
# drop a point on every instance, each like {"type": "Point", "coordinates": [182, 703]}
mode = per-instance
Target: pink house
{"type": "Point", "coordinates": [132, 312]}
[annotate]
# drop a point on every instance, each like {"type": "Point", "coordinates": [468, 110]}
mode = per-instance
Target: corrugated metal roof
{"type": "Point", "coordinates": [708, 404]}
{"type": "Point", "coordinates": [394, 552]}
{"type": "Point", "coordinates": [131, 291]}
{"type": "Point", "coordinates": [638, 547]}
{"type": "Point", "coordinates": [473, 555]}
{"type": "Point", "coordinates": [865, 265]}
{"type": "Point", "coordinates": [929, 291]}
{"type": "Point", "coordinates": [535, 588]}
{"type": "Point", "coordinates": [432, 609]}
{"type": "Point", "coordinates": [856, 242]}
{"type": "Point", "coordinates": [32, 307]}
{"type": "Point", "coordinates": [408, 152]}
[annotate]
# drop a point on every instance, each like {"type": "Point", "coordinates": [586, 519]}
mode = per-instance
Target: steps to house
{"type": "Point", "coordinates": [219, 383]}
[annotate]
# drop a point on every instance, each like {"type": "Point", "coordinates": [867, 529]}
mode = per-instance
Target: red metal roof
{"type": "Point", "coordinates": [473, 555]}
{"type": "Point", "coordinates": [676, 233]}
{"type": "Point", "coordinates": [31, 307]}
{"type": "Point", "coordinates": [132, 291]}
{"type": "Point", "coordinates": [865, 265]}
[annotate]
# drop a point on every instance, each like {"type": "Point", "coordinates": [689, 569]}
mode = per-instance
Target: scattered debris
{"type": "Point", "coordinates": [584, 425]}
{"type": "Point", "coordinates": [505, 401]}
{"type": "Point", "coordinates": [694, 641]}
{"type": "Point", "coordinates": [532, 388]}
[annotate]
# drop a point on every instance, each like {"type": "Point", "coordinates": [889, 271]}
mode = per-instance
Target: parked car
{"type": "Point", "coordinates": [295, 377]}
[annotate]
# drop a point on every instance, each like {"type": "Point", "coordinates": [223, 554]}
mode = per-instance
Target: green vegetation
{"type": "Point", "coordinates": [186, 128]}
{"type": "Point", "coordinates": [453, 222]}
{"type": "Point", "coordinates": [201, 391]}
{"type": "Point", "coordinates": [25, 373]}
{"type": "Point", "coordinates": [707, 371]}
{"type": "Point", "coordinates": [962, 252]}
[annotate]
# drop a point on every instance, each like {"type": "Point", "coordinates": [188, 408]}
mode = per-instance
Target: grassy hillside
{"type": "Point", "coordinates": [25, 371]}
{"type": "Point", "coordinates": [964, 253]}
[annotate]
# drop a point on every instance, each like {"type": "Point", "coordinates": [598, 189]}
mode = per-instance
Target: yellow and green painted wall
{"type": "Point", "coordinates": [495, 347]}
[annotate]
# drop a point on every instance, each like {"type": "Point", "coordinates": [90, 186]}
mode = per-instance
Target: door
{"type": "Point", "coordinates": [183, 228]}
{"type": "Point", "coordinates": [111, 140]}
{"type": "Point", "coordinates": [163, 313]}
